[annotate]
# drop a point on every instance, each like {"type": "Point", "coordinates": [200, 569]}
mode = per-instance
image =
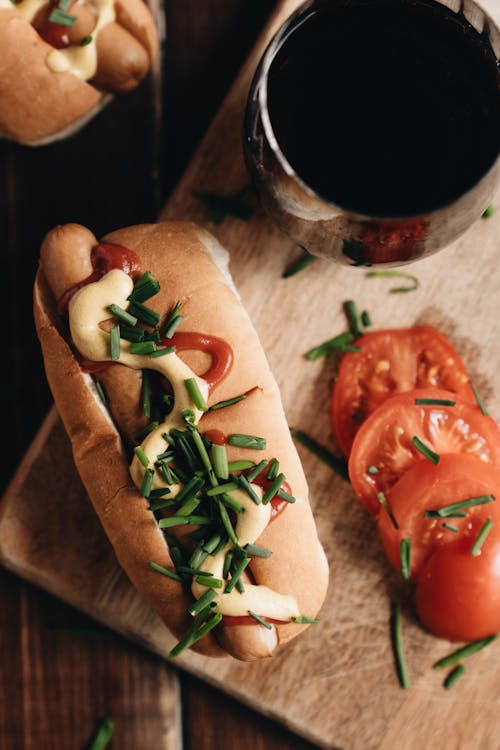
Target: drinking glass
{"type": "Point", "coordinates": [353, 233]}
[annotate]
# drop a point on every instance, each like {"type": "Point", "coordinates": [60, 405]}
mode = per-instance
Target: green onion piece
{"type": "Point", "coordinates": [103, 735]}
{"type": "Point", "coordinates": [144, 288]}
{"type": "Point", "coordinates": [198, 556]}
{"type": "Point", "coordinates": [146, 394]}
{"type": "Point", "coordinates": [200, 446]}
{"type": "Point", "coordinates": [462, 653]}
{"type": "Point", "coordinates": [424, 450]}
{"type": "Point", "coordinates": [256, 470]}
{"type": "Point", "coordinates": [285, 496]}
{"type": "Point", "coordinates": [272, 472]}
{"type": "Point", "coordinates": [236, 573]}
{"type": "Point", "coordinates": [478, 400]}
{"type": "Point", "coordinates": [372, 470]}
{"type": "Point", "coordinates": [226, 521]}
{"type": "Point", "coordinates": [434, 402]}
{"type": "Point", "coordinates": [144, 314]}
{"type": "Point", "coordinates": [219, 461]}
{"type": "Point", "coordinates": [161, 504]}
{"type": "Point", "coordinates": [145, 432]}
{"type": "Point", "coordinates": [210, 581]}
{"type": "Point", "coordinates": [273, 489]}
{"type": "Point", "coordinates": [304, 261]}
{"type": "Point", "coordinates": [488, 212]}
{"type": "Point", "coordinates": [122, 315]}
{"type": "Point", "coordinates": [132, 334]}
{"type": "Point", "coordinates": [202, 602]}
{"type": "Point", "coordinates": [227, 402]}
{"type": "Point", "coordinates": [397, 643]}
{"type": "Point", "coordinates": [165, 571]}
{"type": "Point", "coordinates": [383, 502]}
{"type": "Point", "coordinates": [191, 487]}
{"type": "Point", "coordinates": [404, 553]}
{"type": "Point", "coordinates": [167, 523]}
{"type": "Point", "coordinates": [64, 4]}
{"type": "Point", "coordinates": [448, 511]}
{"type": "Point", "coordinates": [114, 343]}
{"type": "Point", "coordinates": [454, 675]}
{"type": "Point", "coordinates": [162, 351]}
{"type": "Point", "coordinates": [396, 274]}
{"type": "Point", "coordinates": [86, 40]}
{"type": "Point", "coordinates": [195, 635]}
{"type": "Point", "coordinates": [167, 474]}
{"type": "Point", "coordinates": [100, 392]}
{"type": "Point", "coordinates": [245, 485]}
{"type": "Point", "coordinates": [350, 348]}
{"type": "Point", "coordinates": [193, 571]}
{"type": "Point", "coordinates": [230, 503]}
{"type": "Point", "coordinates": [228, 560]}
{"type": "Point", "coordinates": [222, 488]}
{"type": "Point", "coordinates": [327, 347]}
{"type": "Point", "coordinates": [141, 456]}
{"type": "Point", "coordinates": [147, 481]}
{"type": "Point", "coordinates": [352, 315]}
{"type": "Point", "coordinates": [337, 464]}
{"type": "Point", "coordinates": [142, 347]}
{"type": "Point", "coordinates": [483, 533]}
{"type": "Point", "coordinates": [239, 465]}
{"type": "Point", "coordinates": [195, 394]}
{"type": "Point", "coordinates": [365, 318]}
{"type": "Point", "coordinates": [450, 527]}
{"type": "Point", "coordinates": [189, 506]}
{"type": "Point", "coordinates": [255, 551]}
{"type": "Point", "coordinates": [172, 325]}
{"type": "Point", "coordinates": [62, 18]}
{"type": "Point", "coordinates": [303, 620]}
{"type": "Point", "coordinates": [247, 441]}
{"type": "Point", "coordinates": [260, 620]}
{"type": "Point", "coordinates": [213, 543]}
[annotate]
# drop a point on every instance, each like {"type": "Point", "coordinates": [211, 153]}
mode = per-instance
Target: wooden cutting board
{"type": "Point", "coordinates": [336, 685]}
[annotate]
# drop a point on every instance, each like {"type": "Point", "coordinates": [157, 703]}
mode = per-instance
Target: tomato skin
{"type": "Point", "coordinates": [392, 361]}
{"type": "Point", "coordinates": [458, 595]}
{"type": "Point", "coordinates": [426, 486]}
{"type": "Point", "coordinates": [384, 440]}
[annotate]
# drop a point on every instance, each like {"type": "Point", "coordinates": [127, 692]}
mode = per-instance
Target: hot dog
{"type": "Point", "coordinates": [247, 568]}
{"type": "Point", "coordinates": [62, 60]}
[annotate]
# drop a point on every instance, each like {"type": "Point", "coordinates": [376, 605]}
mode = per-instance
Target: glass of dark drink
{"type": "Point", "coordinates": [372, 129]}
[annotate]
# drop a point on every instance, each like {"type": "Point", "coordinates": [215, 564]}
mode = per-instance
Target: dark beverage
{"type": "Point", "coordinates": [389, 108]}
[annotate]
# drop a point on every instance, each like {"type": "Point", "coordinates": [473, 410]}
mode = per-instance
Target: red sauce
{"type": "Point", "coordinates": [105, 257]}
{"type": "Point", "coordinates": [219, 350]}
{"type": "Point", "coordinates": [215, 436]}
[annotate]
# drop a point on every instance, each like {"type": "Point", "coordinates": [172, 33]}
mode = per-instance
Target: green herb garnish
{"type": "Point", "coordinates": [337, 343]}
{"type": "Point", "coordinates": [478, 400]}
{"type": "Point", "coordinates": [337, 464]}
{"type": "Point", "coordinates": [298, 265]}
{"type": "Point", "coordinates": [404, 553]}
{"type": "Point", "coordinates": [260, 620]}
{"type": "Point", "coordinates": [396, 274]}
{"type": "Point", "coordinates": [483, 533]}
{"type": "Point", "coordinates": [397, 643]}
{"type": "Point", "coordinates": [114, 343]}
{"type": "Point", "coordinates": [383, 502]}
{"type": "Point", "coordinates": [103, 735]}
{"type": "Point", "coordinates": [195, 394]}
{"type": "Point", "coordinates": [450, 511]}
{"type": "Point", "coordinates": [424, 450]}
{"type": "Point", "coordinates": [454, 675]}
{"type": "Point", "coordinates": [434, 402]}
{"type": "Point", "coordinates": [461, 653]}
{"type": "Point", "coordinates": [247, 441]}
{"type": "Point", "coordinates": [62, 18]}
{"type": "Point", "coordinates": [165, 571]}
{"type": "Point", "coordinates": [227, 402]}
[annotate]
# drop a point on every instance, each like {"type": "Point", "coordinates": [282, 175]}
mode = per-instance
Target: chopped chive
{"type": "Point", "coordinates": [424, 450]}
{"type": "Point", "coordinates": [64, 4]}
{"type": "Point", "coordinates": [146, 431]}
{"type": "Point", "coordinates": [173, 321]}
{"type": "Point", "coordinates": [327, 347]}
{"type": "Point", "coordinates": [488, 212]}
{"type": "Point", "coordinates": [162, 351]}
{"type": "Point", "coordinates": [450, 527]}
{"type": "Point", "coordinates": [454, 675]}
{"type": "Point", "coordinates": [226, 521]}
{"type": "Point", "coordinates": [141, 455]}
{"type": "Point", "coordinates": [247, 441]}
{"type": "Point", "coordinates": [202, 602]}
{"type": "Point", "coordinates": [273, 489]}
{"type": "Point", "coordinates": [272, 472]}
{"type": "Point", "coordinates": [213, 543]}
{"type": "Point", "coordinates": [144, 288]}
{"type": "Point", "coordinates": [383, 502]}
{"type": "Point", "coordinates": [142, 347]}
{"type": "Point", "coordinates": [337, 464]}
{"type": "Point", "coordinates": [260, 620]}
{"type": "Point", "coordinates": [146, 394]}
{"type": "Point", "coordinates": [153, 336]}
{"type": "Point", "coordinates": [478, 400]}
{"type": "Point", "coordinates": [188, 506]}
{"type": "Point", "coordinates": [165, 571]}
{"type": "Point", "coordinates": [372, 470]}
{"type": "Point", "coordinates": [143, 313]}
{"type": "Point", "coordinates": [304, 261]}
{"type": "Point", "coordinates": [397, 643]}
{"type": "Point", "coordinates": [256, 470]}
{"type": "Point", "coordinates": [255, 551]}
{"type": "Point", "coordinates": [219, 460]}
{"type": "Point", "coordinates": [167, 523]}
{"type": "Point", "coordinates": [200, 446]}
{"type": "Point", "coordinates": [349, 348]}
{"type": "Point", "coordinates": [103, 735]}
{"type": "Point", "coordinates": [404, 553]}
{"type": "Point", "coordinates": [483, 533]}
{"type": "Point", "coordinates": [240, 465]}
{"type": "Point", "coordinates": [365, 318]}
{"type": "Point", "coordinates": [195, 635]}
{"type": "Point", "coordinates": [235, 574]}
{"type": "Point", "coordinates": [285, 496]}
{"type": "Point", "coordinates": [352, 315]}
{"type": "Point", "coordinates": [449, 511]}
{"type": "Point", "coordinates": [227, 402]}
{"type": "Point", "coordinates": [122, 315]}
{"type": "Point", "coordinates": [114, 343]}
{"type": "Point", "coordinates": [132, 334]}
{"type": "Point", "coordinates": [193, 486]}
{"type": "Point", "coordinates": [193, 571]}
{"type": "Point", "coordinates": [230, 503]}
{"type": "Point", "coordinates": [245, 485]}
{"type": "Point", "coordinates": [86, 40]}
{"type": "Point", "coordinates": [303, 620]}
{"type": "Point", "coordinates": [434, 402]}
{"type": "Point", "coordinates": [228, 560]}
{"type": "Point", "coordinates": [167, 474]}
{"type": "Point", "coordinates": [147, 482]}
{"type": "Point", "coordinates": [396, 274]}
{"type": "Point", "coordinates": [161, 504]}
{"type": "Point", "coordinates": [209, 580]}
{"type": "Point", "coordinates": [62, 18]}
{"type": "Point", "coordinates": [222, 488]}
{"type": "Point", "coordinates": [198, 556]}
{"type": "Point", "coordinates": [195, 394]}
{"type": "Point", "coordinates": [100, 391]}
{"type": "Point", "coordinates": [461, 653]}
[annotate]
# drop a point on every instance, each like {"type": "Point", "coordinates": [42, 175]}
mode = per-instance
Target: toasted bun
{"type": "Point", "coordinates": [181, 256]}
{"type": "Point", "coordinates": [37, 105]}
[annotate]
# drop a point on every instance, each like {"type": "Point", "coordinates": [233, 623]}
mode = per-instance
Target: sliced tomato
{"type": "Point", "coordinates": [392, 361]}
{"type": "Point", "coordinates": [383, 448]}
{"type": "Point", "coordinates": [427, 487]}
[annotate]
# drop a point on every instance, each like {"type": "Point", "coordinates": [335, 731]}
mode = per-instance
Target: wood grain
{"type": "Point", "coordinates": [336, 685]}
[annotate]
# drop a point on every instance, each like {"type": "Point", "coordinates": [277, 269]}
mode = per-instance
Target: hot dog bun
{"type": "Point", "coordinates": [41, 102]}
{"type": "Point", "coordinates": [191, 267]}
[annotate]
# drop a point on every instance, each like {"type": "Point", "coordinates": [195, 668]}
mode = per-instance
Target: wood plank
{"type": "Point", "coordinates": [347, 657]}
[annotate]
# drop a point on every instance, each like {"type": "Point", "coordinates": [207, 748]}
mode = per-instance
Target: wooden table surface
{"type": "Point", "coordinates": [60, 673]}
